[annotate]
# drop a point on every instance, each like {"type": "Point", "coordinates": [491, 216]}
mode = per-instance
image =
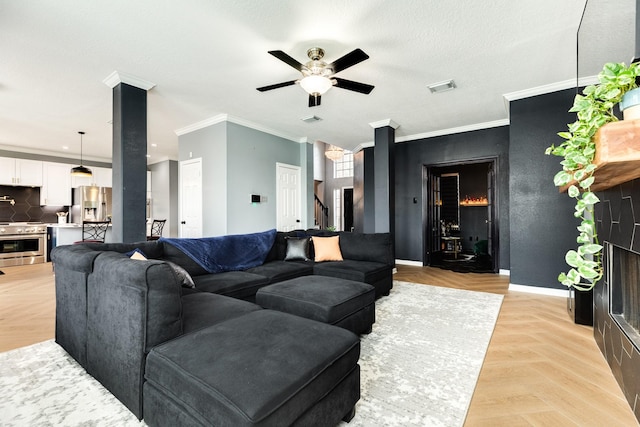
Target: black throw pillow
{"type": "Point", "coordinates": [184, 278]}
{"type": "Point", "coordinates": [297, 249]}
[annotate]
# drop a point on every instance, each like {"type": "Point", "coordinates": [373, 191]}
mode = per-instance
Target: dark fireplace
{"type": "Point", "coordinates": [623, 268]}
{"type": "Point", "coordinates": [616, 298]}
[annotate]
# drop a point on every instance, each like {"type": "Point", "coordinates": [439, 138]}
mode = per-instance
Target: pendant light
{"type": "Point", "coordinates": [334, 153]}
{"type": "Point", "coordinates": [81, 170]}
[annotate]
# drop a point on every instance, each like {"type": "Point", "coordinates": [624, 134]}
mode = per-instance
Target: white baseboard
{"type": "Point", "coordinates": [409, 262]}
{"type": "Point", "coordinates": [502, 272]}
{"type": "Point", "coordinates": [538, 290]}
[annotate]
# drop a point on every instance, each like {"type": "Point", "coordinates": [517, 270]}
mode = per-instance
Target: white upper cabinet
{"type": "Point", "coordinates": [56, 184]}
{"type": "Point", "coordinates": [101, 177]}
{"type": "Point", "coordinates": [20, 172]}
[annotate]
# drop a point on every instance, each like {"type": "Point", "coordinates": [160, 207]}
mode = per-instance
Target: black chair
{"type": "Point", "coordinates": [94, 231]}
{"type": "Point", "coordinates": [156, 229]}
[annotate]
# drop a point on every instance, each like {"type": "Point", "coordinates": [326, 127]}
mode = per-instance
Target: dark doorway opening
{"type": "Point", "coordinates": [347, 196]}
{"type": "Point", "coordinates": [460, 227]}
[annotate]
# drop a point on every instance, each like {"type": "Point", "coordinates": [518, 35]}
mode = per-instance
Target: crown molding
{"type": "Point", "coordinates": [553, 87]}
{"type": "Point", "coordinates": [115, 78]}
{"type": "Point", "coordinates": [451, 131]}
{"type": "Point", "coordinates": [383, 123]}
{"type": "Point", "coordinates": [242, 122]}
{"type": "Point", "coordinates": [440, 132]}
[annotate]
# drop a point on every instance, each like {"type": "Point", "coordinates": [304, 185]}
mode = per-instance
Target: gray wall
{"type": "Point", "coordinates": [410, 160]}
{"type": "Point", "coordinates": [210, 145]}
{"type": "Point", "coordinates": [251, 169]}
{"type": "Point", "coordinates": [164, 195]}
{"type": "Point", "coordinates": [542, 223]}
{"type": "Point", "coordinates": [238, 161]}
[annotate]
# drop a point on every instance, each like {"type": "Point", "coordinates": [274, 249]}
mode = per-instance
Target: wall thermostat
{"type": "Point", "coordinates": [255, 198]}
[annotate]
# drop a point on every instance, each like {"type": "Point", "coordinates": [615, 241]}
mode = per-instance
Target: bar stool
{"type": "Point", "coordinates": [94, 231]}
{"type": "Point", "coordinates": [156, 229]}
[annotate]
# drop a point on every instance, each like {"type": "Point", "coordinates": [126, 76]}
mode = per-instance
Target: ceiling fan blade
{"type": "Point", "coordinates": [314, 100]}
{"type": "Point", "coordinates": [354, 86]}
{"type": "Point", "coordinates": [276, 86]}
{"type": "Point", "coordinates": [350, 59]}
{"type": "Point", "coordinates": [286, 59]}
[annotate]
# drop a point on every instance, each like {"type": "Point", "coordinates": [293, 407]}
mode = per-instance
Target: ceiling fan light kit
{"type": "Point", "coordinates": [316, 85]}
{"type": "Point", "coordinates": [81, 170]}
{"type": "Point", "coordinates": [318, 76]}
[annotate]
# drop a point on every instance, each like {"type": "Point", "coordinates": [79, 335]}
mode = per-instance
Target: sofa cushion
{"type": "Point", "coordinates": [360, 271]}
{"type": "Point", "coordinates": [289, 363]}
{"type": "Point", "coordinates": [326, 248]}
{"type": "Point", "coordinates": [182, 276]}
{"type": "Point", "coordinates": [325, 299]}
{"type": "Point", "coordinates": [176, 256]}
{"type": "Point", "coordinates": [151, 250]}
{"type": "Point", "coordinates": [204, 309]}
{"type": "Point", "coordinates": [297, 249]}
{"type": "Point", "coordinates": [367, 247]}
{"type": "Point", "coordinates": [277, 271]}
{"type": "Point", "coordinates": [237, 284]}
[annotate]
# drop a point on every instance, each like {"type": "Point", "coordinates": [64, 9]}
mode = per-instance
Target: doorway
{"type": "Point", "coordinates": [461, 231]}
{"type": "Point", "coordinates": [190, 198]}
{"type": "Point", "coordinates": [288, 198]}
{"type": "Point", "coordinates": [347, 196]}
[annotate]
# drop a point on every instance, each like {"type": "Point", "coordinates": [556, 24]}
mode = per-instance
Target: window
{"type": "Point", "coordinates": [343, 168]}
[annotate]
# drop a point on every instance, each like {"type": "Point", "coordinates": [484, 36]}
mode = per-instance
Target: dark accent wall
{"type": "Point", "coordinates": [27, 207]}
{"type": "Point", "coordinates": [618, 222]}
{"type": "Point", "coordinates": [541, 219]}
{"type": "Point", "coordinates": [411, 157]}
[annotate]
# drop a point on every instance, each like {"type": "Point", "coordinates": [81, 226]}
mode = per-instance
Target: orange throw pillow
{"type": "Point", "coordinates": [327, 248]}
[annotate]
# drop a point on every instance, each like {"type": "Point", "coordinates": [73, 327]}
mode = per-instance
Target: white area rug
{"type": "Point", "coordinates": [419, 367]}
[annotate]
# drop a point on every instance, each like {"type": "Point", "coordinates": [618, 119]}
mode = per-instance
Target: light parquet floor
{"type": "Point", "coordinates": [540, 369]}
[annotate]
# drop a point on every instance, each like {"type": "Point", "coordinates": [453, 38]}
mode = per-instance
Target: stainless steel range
{"type": "Point", "coordinates": [22, 243]}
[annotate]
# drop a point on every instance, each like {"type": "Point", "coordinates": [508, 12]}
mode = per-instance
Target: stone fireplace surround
{"type": "Point", "coordinates": [618, 222]}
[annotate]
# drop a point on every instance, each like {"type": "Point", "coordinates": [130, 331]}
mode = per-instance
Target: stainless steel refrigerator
{"type": "Point", "coordinates": [91, 203]}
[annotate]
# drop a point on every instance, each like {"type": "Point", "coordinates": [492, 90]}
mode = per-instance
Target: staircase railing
{"type": "Point", "coordinates": [321, 213]}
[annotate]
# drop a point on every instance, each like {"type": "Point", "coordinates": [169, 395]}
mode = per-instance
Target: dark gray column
{"type": "Point", "coordinates": [129, 165]}
{"type": "Point", "coordinates": [384, 161]}
{"type": "Point", "coordinates": [364, 210]}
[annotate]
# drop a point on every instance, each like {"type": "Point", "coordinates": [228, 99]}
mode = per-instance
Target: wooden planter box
{"type": "Point", "coordinates": [617, 154]}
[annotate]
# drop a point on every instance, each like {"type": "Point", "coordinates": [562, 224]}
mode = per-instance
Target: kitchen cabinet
{"type": "Point", "coordinates": [56, 184]}
{"type": "Point", "coordinates": [20, 172]}
{"type": "Point", "coordinates": [101, 177]}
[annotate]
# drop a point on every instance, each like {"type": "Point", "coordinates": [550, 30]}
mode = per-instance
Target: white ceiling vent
{"type": "Point", "coordinates": [311, 119]}
{"type": "Point", "coordinates": [442, 86]}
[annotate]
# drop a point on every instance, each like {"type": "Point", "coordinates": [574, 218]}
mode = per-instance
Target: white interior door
{"type": "Point", "coordinates": [190, 198]}
{"type": "Point", "coordinates": [288, 197]}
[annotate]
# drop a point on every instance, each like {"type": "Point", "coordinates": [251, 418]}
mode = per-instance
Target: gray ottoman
{"type": "Point", "coordinates": [263, 368]}
{"type": "Point", "coordinates": [344, 303]}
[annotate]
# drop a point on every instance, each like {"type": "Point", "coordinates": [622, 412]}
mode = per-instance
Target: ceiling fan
{"type": "Point", "coordinates": [318, 76]}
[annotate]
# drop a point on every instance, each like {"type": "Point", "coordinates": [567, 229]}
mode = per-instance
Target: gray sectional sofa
{"type": "Point", "coordinates": [209, 355]}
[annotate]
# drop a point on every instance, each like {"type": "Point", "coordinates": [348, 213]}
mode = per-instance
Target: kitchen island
{"type": "Point", "coordinates": [67, 234]}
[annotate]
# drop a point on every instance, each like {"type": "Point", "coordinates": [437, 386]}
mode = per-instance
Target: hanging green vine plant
{"type": "Point", "coordinates": [594, 109]}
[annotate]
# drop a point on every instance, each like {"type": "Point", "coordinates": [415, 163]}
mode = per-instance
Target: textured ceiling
{"type": "Point", "coordinates": [206, 58]}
